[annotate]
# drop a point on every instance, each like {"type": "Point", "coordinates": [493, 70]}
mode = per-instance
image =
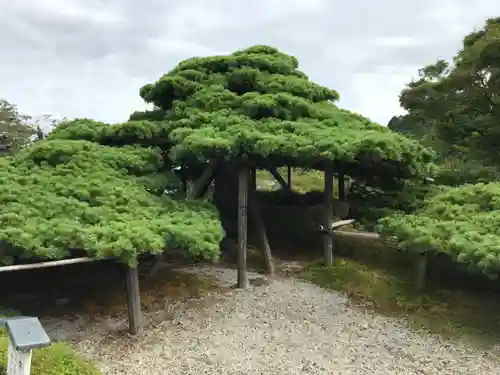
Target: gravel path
{"type": "Point", "coordinates": [285, 327]}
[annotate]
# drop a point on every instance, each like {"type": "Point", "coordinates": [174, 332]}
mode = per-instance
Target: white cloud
{"type": "Point", "coordinates": [398, 41]}
{"type": "Point", "coordinates": [90, 57]}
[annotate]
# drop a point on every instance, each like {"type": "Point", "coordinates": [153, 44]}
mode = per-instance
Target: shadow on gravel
{"type": "Point", "coordinates": [96, 290]}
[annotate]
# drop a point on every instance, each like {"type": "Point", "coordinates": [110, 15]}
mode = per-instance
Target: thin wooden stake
{"type": "Point", "coordinates": [420, 271]}
{"type": "Point", "coordinates": [328, 216]}
{"type": "Point", "coordinates": [260, 228]}
{"type": "Point", "coordinates": [289, 176]}
{"type": "Point", "coordinates": [243, 180]}
{"type": "Point", "coordinates": [134, 301]}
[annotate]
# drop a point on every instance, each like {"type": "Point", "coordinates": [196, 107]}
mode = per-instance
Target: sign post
{"type": "Point", "coordinates": [25, 334]}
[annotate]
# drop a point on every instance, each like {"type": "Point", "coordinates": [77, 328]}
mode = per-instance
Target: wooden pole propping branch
{"type": "Point", "coordinates": [328, 216]}
{"type": "Point", "coordinates": [274, 172]}
{"type": "Point", "coordinates": [260, 228]}
{"type": "Point", "coordinates": [243, 180]}
{"type": "Point", "coordinates": [201, 185]}
{"type": "Point", "coordinates": [341, 183]}
{"type": "Point", "coordinates": [134, 301]}
{"type": "Point", "coordinates": [420, 271]}
{"type": "Point", "coordinates": [289, 176]}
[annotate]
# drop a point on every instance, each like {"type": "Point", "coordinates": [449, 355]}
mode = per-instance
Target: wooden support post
{"type": "Point", "coordinates": [200, 186]}
{"type": "Point", "coordinates": [420, 271]}
{"type": "Point", "coordinates": [341, 183]}
{"type": "Point", "coordinates": [253, 182]}
{"type": "Point", "coordinates": [328, 216]}
{"type": "Point", "coordinates": [184, 187]}
{"type": "Point", "coordinates": [260, 228]}
{"type": "Point", "coordinates": [134, 301]}
{"type": "Point", "coordinates": [243, 180]}
{"type": "Point", "coordinates": [289, 176]}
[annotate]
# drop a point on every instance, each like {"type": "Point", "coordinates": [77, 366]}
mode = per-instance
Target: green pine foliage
{"type": "Point", "coordinates": [97, 187]}
{"type": "Point", "coordinates": [140, 132]}
{"type": "Point", "coordinates": [462, 221]}
{"type": "Point", "coordinates": [62, 196]}
{"type": "Point", "coordinates": [256, 102]}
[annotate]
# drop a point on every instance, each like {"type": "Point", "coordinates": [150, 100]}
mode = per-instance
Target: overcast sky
{"type": "Point", "coordinates": [88, 58]}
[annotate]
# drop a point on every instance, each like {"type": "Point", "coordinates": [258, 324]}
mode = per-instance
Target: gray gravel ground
{"type": "Point", "coordinates": [286, 327]}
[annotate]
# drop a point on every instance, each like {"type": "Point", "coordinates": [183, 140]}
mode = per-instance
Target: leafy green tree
{"type": "Point", "coordinates": [19, 130]}
{"type": "Point", "coordinates": [256, 103]}
{"type": "Point", "coordinates": [455, 105]}
{"type": "Point", "coordinates": [15, 126]}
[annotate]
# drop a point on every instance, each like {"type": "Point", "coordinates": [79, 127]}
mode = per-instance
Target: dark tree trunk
{"type": "Point", "coordinates": [226, 197]}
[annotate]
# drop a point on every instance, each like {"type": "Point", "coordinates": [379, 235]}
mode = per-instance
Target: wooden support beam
{"type": "Point", "coordinates": [200, 186]}
{"type": "Point", "coordinates": [243, 182]}
{"type": "Point", "coordinates": [54, 263]}
{"type": "Point", "coordinates": [134, 301]}
{"type": "Point", "coordinates": [289, 176]}
{"type": "Point", "coordinates": [274, 172]}
{"type": "Point", "coordinates": [360, 235]}
{"type": "Point", "coordinates": [260, 228]}
{"type": "Point", "coordinates": [420, 271]}
{"type": "Point", "coordinates": [328, 216]}
{"type": "Point", "coordinates": [335, 225]}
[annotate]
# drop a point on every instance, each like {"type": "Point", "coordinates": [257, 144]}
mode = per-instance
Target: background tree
{"type": "Point", "coordinates": [16, 126]}
{"type": "Point", "coordinates": [21, 130]}
{"type": "Point", "coordinates": [458, 101]}
{"type": "Point", "coordinates": [454, 107]}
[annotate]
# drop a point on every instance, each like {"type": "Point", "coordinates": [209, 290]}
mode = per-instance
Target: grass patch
{"type": "Point", "coordinates": [303, 180]}
{"type": "Point", "coordinates": [457, 314]}
{"type": "Point", "coordinates": [56, 359]}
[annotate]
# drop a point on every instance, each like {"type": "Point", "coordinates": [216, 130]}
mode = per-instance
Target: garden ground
{"type": "Point", "coordinates": [366, 318]}
{"type": "Point", "coordinates": [198, 324]}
